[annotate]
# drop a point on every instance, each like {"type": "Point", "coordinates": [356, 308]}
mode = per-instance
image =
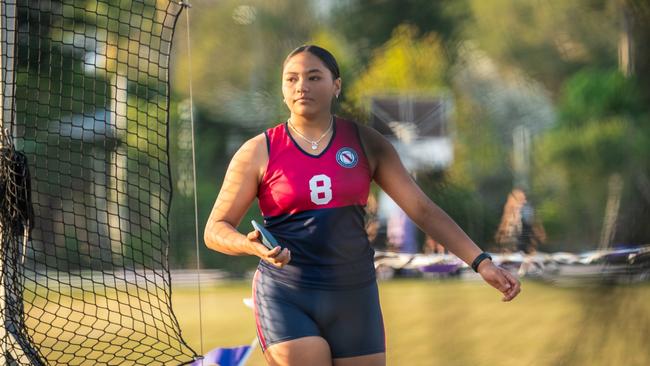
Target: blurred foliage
{"type": "Point", "coordinates": [593, 94]}
{"type": "Point", "coordinates": [237, 54]}
{"type": "Point", "coordinates": [549, 40]}
{"type": "Point", "coordinates": [405, 64]}
{"type": "Point", "coordinates": [601, 118]}
{"type": "Point", "coordinates": [369, 24]}
{"type": "Point", "coordinates": [462, 202]}
{"type": "Point", "coordinates": [546, 66]}
{"type": "Point", "coordinates": [504, 98]}
{"type": "Point", "coordinates": [549, 66]}
{"type": "Point", "coordinates": [602, 130]}
{"type": "Point", "coordinates": [491, 102]}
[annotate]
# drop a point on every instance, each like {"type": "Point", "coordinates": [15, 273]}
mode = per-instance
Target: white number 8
{"type": "Point", "coordinates": [321, 189]}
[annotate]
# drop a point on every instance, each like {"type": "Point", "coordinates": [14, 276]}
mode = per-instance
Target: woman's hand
{"type": "Point", "coordinates": [277, 256]}
{"type": "Point", "coordinates": [500, 279]}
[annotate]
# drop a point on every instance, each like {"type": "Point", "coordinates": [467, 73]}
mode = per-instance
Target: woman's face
{"type": "Point", "coordinates": [307, 85]}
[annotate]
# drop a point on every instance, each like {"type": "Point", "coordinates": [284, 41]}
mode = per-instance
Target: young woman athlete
{"type": "Point", "coordinates": [316, 298]}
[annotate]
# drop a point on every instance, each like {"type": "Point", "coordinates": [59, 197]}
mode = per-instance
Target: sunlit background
{"type": "Point", "coordinates": [549, 97]}
{"type": "Point", "coordinates": [486, 101]}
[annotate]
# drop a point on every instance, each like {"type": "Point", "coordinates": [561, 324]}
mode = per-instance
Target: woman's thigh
{"type": "Point", "coordinates": [352, 323]}
{"type": "Point", "coordinates": [312, 351]}
{"type": "Point", "coordinates": [348, 322]}
{"type": "Point", "coordinates": [376, 359]}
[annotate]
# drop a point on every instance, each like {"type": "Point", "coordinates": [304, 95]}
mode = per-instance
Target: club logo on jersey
{"type": "Point", "coordinates": [347, 157]}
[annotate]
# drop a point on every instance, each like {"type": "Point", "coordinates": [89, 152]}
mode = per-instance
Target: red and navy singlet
{"type": "Point", "coordinates": [314, 205]}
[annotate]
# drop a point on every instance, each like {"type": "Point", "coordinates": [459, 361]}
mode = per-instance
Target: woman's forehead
{"type": "Point", "coordinates": [304, 62]}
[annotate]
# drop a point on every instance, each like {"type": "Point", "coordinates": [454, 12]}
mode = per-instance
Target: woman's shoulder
{"type": "Point", "coordinates": [374, 144]}
{"type": "Point", "coordinates": [257, 140]}
{"type": "Point", "coordinates": [275, 129]}
{"type": "Point", "coordinates": [372, 140]}
{"type": "Point", "coordinates": [253, 148]}
{"type": "Point", "coordinates": [251, 158]}
{"type": "Point", "coordinates": [364, 131]}
{"type": "Point", "coordinates": [349, 122]}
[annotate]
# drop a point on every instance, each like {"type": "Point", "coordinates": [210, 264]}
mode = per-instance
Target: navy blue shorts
{"type": "Point", "coordinates": [349, 320]}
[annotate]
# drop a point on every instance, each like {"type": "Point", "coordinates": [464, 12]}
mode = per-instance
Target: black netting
{"type": "Point", "coordinates": [85, 102]}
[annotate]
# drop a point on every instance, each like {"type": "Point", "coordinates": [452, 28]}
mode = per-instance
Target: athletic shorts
{"type": "Point", "coordinates": [349, 320]}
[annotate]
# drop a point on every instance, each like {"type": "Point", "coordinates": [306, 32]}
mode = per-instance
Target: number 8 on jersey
{"type": "Point", "coordinates": [320, 187]}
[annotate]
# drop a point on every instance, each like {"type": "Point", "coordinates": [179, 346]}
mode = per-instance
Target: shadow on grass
{"type": "Point", "coordinates": [613, 327]}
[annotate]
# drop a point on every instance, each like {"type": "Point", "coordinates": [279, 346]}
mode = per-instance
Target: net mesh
{"type": "Point", "coordinates": [85, 103]}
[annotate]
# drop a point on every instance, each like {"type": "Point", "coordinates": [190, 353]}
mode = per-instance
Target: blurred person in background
{"type": "Point", "coordinates": [519, 230]}
{"type": "Point", "coordinates": [431, 246]}
{"type": "Point", "coordinates": [531, 234]}
{"type": "Point", "coordinates": [401, 232]}
{"type": "Point", "coordinates": [316, 297]}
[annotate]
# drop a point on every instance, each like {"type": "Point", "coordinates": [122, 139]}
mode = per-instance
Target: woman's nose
{"type": "Point", "coordinates": [301, 87]}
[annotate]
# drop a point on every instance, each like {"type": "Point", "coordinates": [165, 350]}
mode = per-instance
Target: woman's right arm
{"type": "Point", "coordinates": [237, 193]}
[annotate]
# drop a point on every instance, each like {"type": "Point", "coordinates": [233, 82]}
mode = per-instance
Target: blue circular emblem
{"type": "Point", "coordinates": [347, 157]}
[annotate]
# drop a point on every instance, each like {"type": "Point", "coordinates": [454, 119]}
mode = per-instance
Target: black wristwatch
{"type": "Point", "coordinates": [481, 257]}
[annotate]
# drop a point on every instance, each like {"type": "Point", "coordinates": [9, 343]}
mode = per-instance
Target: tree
{"type": "Point", "coordinates": [636, 31]}
{"type": "Point", "coordinates": [405, 64]}
{"type": "Point", "coordinates": [548, 40]}
{"type": "Point", "coordinates": [369, 24]}
{"type": "Point", "coordinates": [237, 53]}
{"type": "Point", "coordinates": [573, 48]}
{"type": "Point", "coordinates": [600, 133]}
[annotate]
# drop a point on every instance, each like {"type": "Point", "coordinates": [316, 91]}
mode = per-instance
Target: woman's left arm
{"type": "Point", "coordinates": [391, 175]}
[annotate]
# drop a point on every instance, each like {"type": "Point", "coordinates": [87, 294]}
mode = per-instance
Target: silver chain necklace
{"type": "Point", "coordinates": [314, 143]}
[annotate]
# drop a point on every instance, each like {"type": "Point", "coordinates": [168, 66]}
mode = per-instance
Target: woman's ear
{"type": "Point", "coordinates": [337, 87]}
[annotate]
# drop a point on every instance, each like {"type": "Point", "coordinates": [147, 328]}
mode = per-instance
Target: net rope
{"type": "Point", "coordinates": [194, 185]}
{"type": "Point", "coordinates": [85, 106]}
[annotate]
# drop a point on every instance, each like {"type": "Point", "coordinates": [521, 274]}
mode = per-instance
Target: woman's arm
{"type": "Point", "coordinates": [391, 175]}
{"type": "Point", "coordinates": [237, 193]}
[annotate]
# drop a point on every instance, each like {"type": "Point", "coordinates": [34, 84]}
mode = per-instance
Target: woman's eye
{"type": "Point", "coordinates": [314, 78]}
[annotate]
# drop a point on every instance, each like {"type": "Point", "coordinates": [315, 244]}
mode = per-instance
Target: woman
{"type": "Point", "coordinates": [316, 299]}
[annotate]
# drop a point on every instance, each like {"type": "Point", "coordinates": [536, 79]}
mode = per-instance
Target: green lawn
{"type": "Point", "coordinates": [464, 323]}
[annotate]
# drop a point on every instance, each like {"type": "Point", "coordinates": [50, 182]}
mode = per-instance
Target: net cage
{"type": "Point", "coordinates": [86, 184]}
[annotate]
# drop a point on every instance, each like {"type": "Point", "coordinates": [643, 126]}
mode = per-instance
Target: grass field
{"type": "Point", "coordinates": [461, 323]}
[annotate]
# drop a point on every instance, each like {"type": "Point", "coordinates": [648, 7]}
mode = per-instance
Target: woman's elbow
{"type": "Point", "coordinates": [208, 236]}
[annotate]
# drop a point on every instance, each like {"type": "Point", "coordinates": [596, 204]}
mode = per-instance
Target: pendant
{"type": "Point", "coordinates": [314, 146]}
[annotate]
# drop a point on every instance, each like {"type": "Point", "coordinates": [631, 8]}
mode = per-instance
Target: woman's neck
{"type": "Point", "coordinates": [312, 127]}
